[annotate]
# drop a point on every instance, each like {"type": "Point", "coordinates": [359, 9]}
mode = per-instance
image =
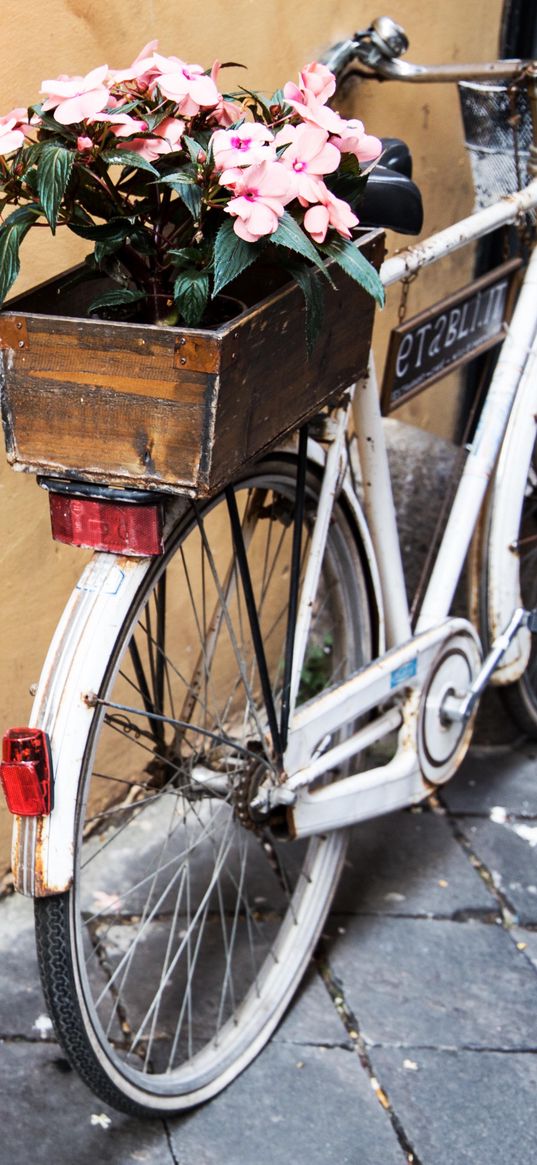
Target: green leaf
{"type": "Point", "coordinates": [185, 184]}
{"type": "Point", "coordinates": [120, 297]}
{"type": "Point", "coordinates": [128, 158]}
{"type": "Point", "coordinates": [53, 172]}
{"type": "Point", "coordinates": [260, 102]}
{"type": "Point", "coordinates": [231, 255]}
{"type": "Point", "coordinates": [191, 294]}
{"type": "Point", "coordinates": [349, 257]}
{"type": "Point", "coordinates": [12, 233]}
{"type": "Point", "coordinates": [313, 292]}
{"type": "Point", "coordinates": [115, 230]}
{"type": "Point", "coordinates": [289, 234]}
{"type": "Point", "coordinates": [191, 197]}
{"type": "Point", "coordinates": [194, 148]}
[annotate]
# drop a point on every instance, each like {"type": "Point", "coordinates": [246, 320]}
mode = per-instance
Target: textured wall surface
{"type": "Point", "coordinates": [73, 36]}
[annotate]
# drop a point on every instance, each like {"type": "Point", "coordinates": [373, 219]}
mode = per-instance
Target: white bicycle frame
{"type": "Point", "coordinates": [43, 848]}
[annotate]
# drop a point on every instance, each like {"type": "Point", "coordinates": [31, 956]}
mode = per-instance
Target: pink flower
{"type": "Point", "coordinates": [122, 123]}
{"type": "Point", "coordinates": [311, 110]}
{"type": "Point", "coordinates": [309, 155]}
{"type": "Point", "coordinates": [261, 193]}
{"type": "Point", "coordinates": [226, 113]}
{"type": "Point", "coordinates": [11, 136]}
{"type": "Point", "coordinates": [245, 146]}
{"type": "Point", "coordinates": [14, 128]}
{"type": "Point", "coordinates": [187, 85]}
{"type": "Point", "coordinates": [318, 80]}
{"type": "Point", "coordinates": [166, 138]}
{"type": "Point", "coordinates": [76, 98]}
{"type": "Point", "coordinates": [330, 212]}
{"type": "Point", "coordinates": [352, 139]}
{"type": "Point", "coordinates": [83, 144]}
{"type": "Point", "coordinates": [142, 69]}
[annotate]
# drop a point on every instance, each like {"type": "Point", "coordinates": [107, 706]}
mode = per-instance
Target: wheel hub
{"type": "Point", "coordinates": [443, 742]}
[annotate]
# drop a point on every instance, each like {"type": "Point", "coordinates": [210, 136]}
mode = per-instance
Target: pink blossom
{"type": "Point", "coordinates": [352, 139]}
{"type": "Point", "coordinates": [318, 80]}
{"type": "Point", "coordinates": [226, 113]}
{"type": "Point", "coordinates": [122, 123]}
{"type": "Point", "coordinates": [187, 85]}
{"type": "Point", "coordinates": [142, 69]}
{"type": "Point", "coordinates": [166, 138]}
{"type": "Point", "coordinates": [311, 110]}
{"type": "Point", "coordinates": [329, 212]}
{"type": "Point", "coordinates": [74, 99]}
{"type": "Point", "coordinates": [171, 130]}
{"type": "Point", "coordinates": [83, 144]}
{"type": "Point", "coordinates": [309, 155]}
{"type": "Point", "coordinates": [261, 193]}
{"type": "Point", "coordinates": [11, 136]}
{"type": "Point", "coordinates": [245, 146]}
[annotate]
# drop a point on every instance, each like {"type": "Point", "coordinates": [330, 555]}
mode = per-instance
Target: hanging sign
{"type": "Point", "coordinates": [447, 334]}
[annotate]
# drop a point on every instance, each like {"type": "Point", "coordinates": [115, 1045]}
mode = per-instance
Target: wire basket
{"type": "Point", "coordinates": [497, 141]}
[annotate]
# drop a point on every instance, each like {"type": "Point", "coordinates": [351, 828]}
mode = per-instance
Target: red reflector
{"type": "Point", "coordinates": [26, 772]}
{"type": "Point", "coordinates": [106, 525]}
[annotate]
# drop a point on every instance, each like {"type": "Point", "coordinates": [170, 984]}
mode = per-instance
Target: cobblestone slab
{"type": "Point", "coordinates": [509, 852]}
{"type": "Point", "coordinates": [463, 1108]}
{"type": "Point", "coordinates": [293, 1105]}
{"type": "Point", "coordinates": [312, 1018]}
{"type": "Point", "coordinates": [489, 778]}
{"type": "Point", "coordinates": [436, 983]}
{"type": "Point", "coordinates": [409, 863]}
{"type": "Point", "coordinates": [22, 1006]}
{"type": "Point", "coordinates": [48, 1116]}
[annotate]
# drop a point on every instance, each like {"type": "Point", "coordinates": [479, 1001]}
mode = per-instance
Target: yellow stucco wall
{"type": "Point", "coordinates": [273, 40]}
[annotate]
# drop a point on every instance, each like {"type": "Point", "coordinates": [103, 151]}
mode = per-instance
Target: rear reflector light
{"type": "Point", "coordinates": [118, 527]}
{"type": "Point", "coordinates": [26, 772]}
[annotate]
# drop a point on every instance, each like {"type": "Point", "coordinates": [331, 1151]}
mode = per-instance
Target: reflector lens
{"type": "Point", "coordinates": [117, 527]}
{"type": "Point", "coordinates": [26, 772]}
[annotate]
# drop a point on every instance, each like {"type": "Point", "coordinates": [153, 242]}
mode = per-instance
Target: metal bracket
{"type": "Point", "coordinates": [13, 332]}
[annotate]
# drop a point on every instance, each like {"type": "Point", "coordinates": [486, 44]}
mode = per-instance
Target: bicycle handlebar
{"type": "Point", "coordinates": [378, 48]}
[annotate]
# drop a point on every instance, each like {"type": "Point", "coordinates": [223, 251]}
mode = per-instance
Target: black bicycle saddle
{"type": "Point", "coordinates": [391, 199]}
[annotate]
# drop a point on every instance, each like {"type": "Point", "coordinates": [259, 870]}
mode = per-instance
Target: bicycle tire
{"type": "Point", "coordinates": [157, 1042]}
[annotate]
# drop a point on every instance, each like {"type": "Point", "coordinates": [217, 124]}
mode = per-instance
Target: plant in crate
{"type": "Point", "coordinates": [185, 192]}
{"type": "Point", "coordinates": [181, 188]}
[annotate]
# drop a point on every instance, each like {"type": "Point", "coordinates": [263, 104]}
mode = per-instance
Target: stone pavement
{"type": "Point", "coordinates": [414, 1038]}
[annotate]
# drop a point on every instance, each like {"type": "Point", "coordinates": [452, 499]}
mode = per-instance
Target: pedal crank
{"type": "Point", "coordinates": [458, 706]}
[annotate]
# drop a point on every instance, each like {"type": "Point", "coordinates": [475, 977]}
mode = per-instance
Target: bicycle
{"type": "Point", "coordinates": [214, 713]}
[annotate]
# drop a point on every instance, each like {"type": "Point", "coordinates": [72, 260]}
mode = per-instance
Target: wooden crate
{"type": "Point", "coordinates": [174, 409]}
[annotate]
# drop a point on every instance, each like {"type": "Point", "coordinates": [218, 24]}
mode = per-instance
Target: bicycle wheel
{"type": "Point", "coordinates": [189, 924]}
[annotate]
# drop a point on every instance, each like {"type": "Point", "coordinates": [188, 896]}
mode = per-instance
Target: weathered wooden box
{"type": "Point", "coordinates": [172, 409]}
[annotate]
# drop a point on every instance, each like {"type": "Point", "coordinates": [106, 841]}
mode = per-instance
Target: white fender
{"type": "Point", "coordinates": [42, 851]}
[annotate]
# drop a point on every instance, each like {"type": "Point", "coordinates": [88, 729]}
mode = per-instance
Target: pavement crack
{"type": "Point", "coordinates": [506, 909]}
{"type": "Point", "coordinates": [335, 990]}
{"type": "Point", "coordinates": [173, 1155]}
{"type": "Point", "coordinates": [16, 1038]}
